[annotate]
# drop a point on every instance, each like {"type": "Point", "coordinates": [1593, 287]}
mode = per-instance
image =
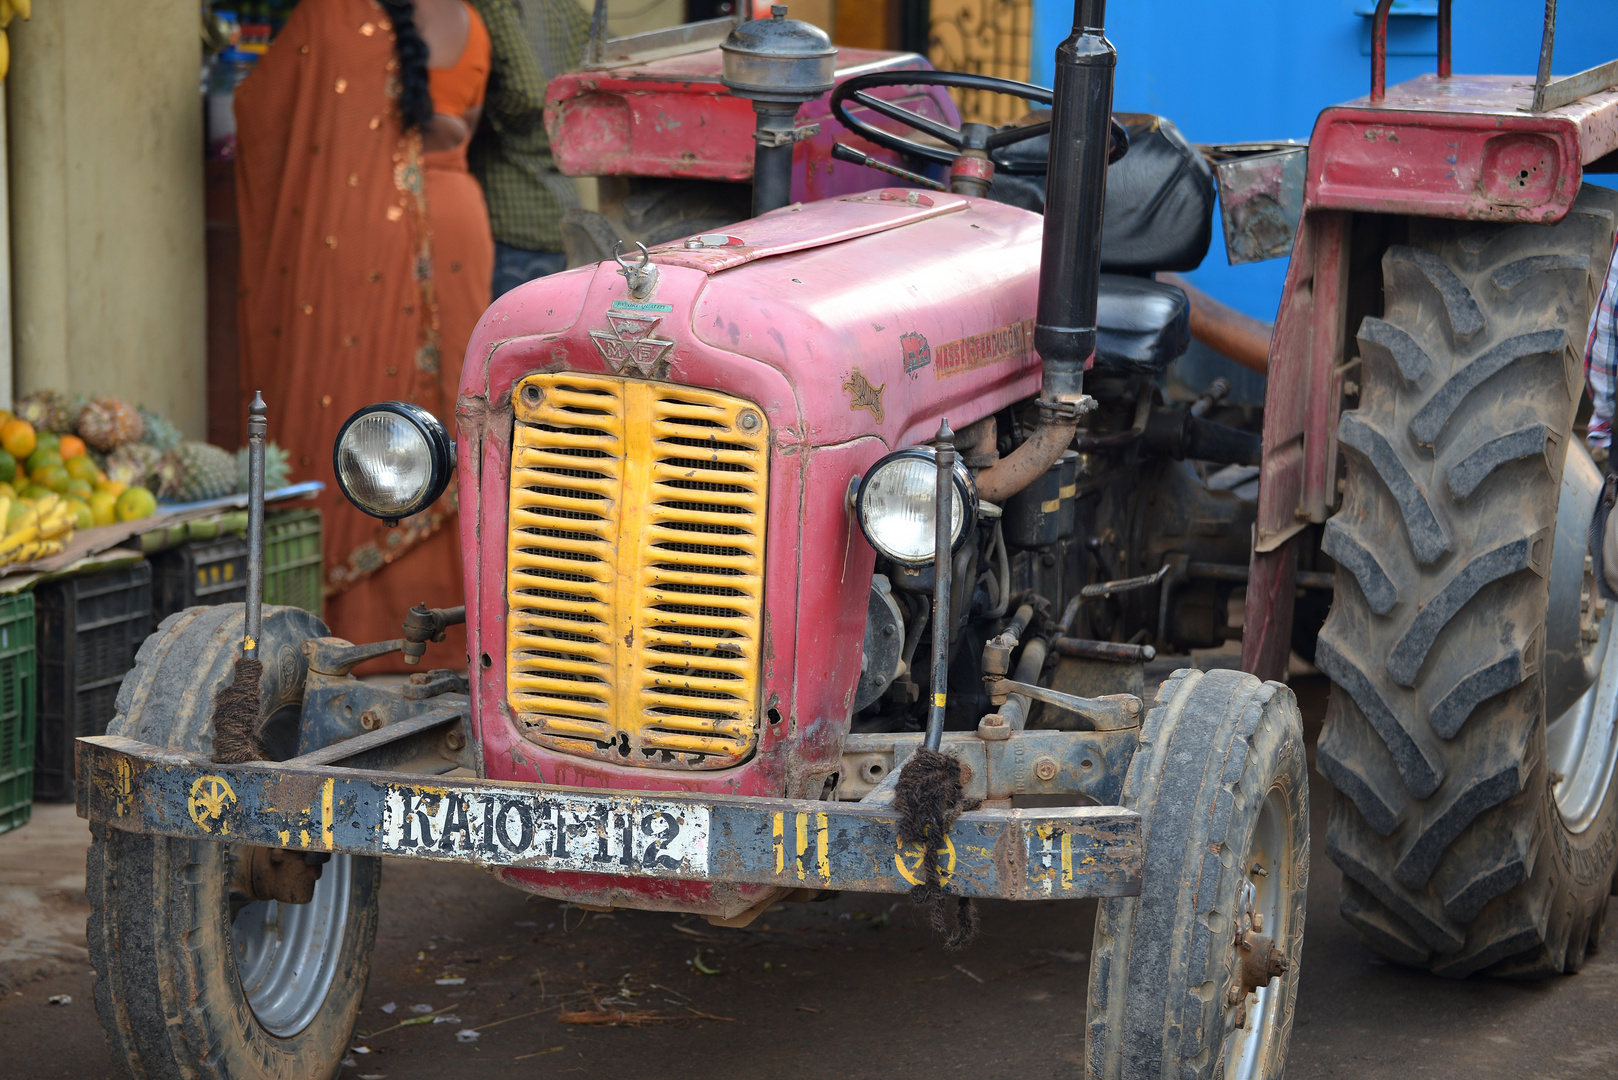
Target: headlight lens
{"type": "Point", "coordinates": [897, 505]}
{"type": "Point", "coordinates": [393, 460]}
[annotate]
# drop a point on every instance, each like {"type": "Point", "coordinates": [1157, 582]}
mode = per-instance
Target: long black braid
{"type": "Point", "coordinates": [415, 100]}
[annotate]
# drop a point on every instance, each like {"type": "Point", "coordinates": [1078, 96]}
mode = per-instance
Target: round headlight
{"type": "Point", "coordinates": [897, 505]}
{"type": "Point", "coordinates": [393, 460]}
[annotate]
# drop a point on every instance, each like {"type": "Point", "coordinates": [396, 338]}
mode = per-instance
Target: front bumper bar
{"type": "Point", "coordinates": [1065, 852]}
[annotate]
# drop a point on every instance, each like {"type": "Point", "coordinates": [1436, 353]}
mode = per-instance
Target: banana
{"type": "Point", "coordinates": [18, 539]}
{"type": "Point", "coordinates": [58, 521]}
{"type": "Point", "coordinates": [23, 8]}
{"type": "Point", "coordinates": [5, 55]}
{"type": "Point", "coordinates": [5, 511]}
{"type": "Point", "coordinates": [7, 13]}
{"type": "Point", "coordinates": [47, 502]}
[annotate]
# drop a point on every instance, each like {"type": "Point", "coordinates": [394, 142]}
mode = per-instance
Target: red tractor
{"type": "Point", "coordinates": [835, 547]}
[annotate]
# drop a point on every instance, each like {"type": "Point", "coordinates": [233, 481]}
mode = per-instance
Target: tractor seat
{"type": "Point", "coordinates": [1142, 326]}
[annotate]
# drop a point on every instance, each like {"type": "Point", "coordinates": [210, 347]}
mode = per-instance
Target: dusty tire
{"type": "Point", "coordinates": [1221, 784]}
{"type": "Point", "coordinates": [1454, 854]}
{"type": "Point", "coordinates": [160, 933]}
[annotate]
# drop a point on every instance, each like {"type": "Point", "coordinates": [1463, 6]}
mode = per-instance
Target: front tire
{"type": "Point", "coordinates": [191, 979]}
{"type": "Point", "coordinates": [1463, 516]}
{"type": "Point", "coordinates": [1221, 784]}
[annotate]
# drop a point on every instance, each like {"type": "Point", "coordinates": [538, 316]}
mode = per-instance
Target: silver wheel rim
{"type": "Point", "coordinates": [286, 954]}
{"type": "Point", "coordinates": [1582, 743]}
{"type": "Point", "coordinates": [1250, 1049]}
{"type": "Point", "coordinates": [1581, 733]}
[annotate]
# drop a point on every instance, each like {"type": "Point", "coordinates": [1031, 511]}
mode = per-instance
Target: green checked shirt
{"type": "Point", "coordinates": [531, 42]}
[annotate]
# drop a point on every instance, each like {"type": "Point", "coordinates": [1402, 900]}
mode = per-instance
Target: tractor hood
{"type": "Point", "coordinates": [873, 314]}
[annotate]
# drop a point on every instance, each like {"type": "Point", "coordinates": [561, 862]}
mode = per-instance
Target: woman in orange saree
{"type": "Point", "coordinates": [366, 261]}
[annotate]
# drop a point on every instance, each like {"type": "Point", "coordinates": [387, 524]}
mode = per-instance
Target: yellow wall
{"type": "Point", "coordinates": [106, 145]}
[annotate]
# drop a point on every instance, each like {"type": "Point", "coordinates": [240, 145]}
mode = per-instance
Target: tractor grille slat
{"type": "Point", "coordinates": [635, 571]}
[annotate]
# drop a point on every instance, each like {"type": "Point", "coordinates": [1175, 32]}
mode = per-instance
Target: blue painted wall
{"type": "Point", "coordinates": [1245, 70]}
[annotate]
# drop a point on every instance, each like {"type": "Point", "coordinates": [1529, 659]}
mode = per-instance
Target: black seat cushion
{"type": "Point", "coordinates": [1142, 326]}
{"type": "Point", "coordinates": [1160, 197]}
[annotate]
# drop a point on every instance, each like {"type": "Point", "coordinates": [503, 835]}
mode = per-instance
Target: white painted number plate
{"type": "Point", "coordinates": [601, 834]}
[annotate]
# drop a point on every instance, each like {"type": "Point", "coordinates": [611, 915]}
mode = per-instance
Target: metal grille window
{"type": "Point", "coordinates": [635, 570]}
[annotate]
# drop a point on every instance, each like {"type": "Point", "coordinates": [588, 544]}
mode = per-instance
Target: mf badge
{"type": "Point", "coordinates": [862, 395]}
{"type": "Point", "coordinates": [210, 797]}
{"type": "Point", "coordinates": [630, 348]}
{"type": "Point", "coordinates": [918, 354]}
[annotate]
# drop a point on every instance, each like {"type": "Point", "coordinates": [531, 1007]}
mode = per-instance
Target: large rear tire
{"type": "Point", "coordinates": [1461, 846]}
{"type": "Point", "coordinates": [1222, 787]}
{"type": "Point", "coordinates": [193, 980]}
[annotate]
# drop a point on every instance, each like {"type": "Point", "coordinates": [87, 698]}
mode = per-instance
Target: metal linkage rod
{"type": "Point", "coordinates": [257, 427]}
{"type": "Point", "coordinates": [942, 572]}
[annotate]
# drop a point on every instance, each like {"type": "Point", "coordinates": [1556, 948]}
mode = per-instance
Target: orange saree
{"type": "Point", "coordinates": [365, 266]}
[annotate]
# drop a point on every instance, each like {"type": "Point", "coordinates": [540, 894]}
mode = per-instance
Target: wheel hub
{"type": "Point", "coordinates": [287, 954]}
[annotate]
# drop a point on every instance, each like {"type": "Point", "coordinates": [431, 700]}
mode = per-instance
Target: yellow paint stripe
{"type": "Point", "coordinates": [1049, 506]}
{"type": "Point", "coordinates": [1067, 491]}
{"type": "Point", "coordinates": [1067, 859]}
{"type": "Point", "coordinates": [780, 846]}
{"type": "Point", "coordinates": [822, 842]}
{"type": "Point", "coordinates": [328, 819]}
{"type": "Point", "coordinates": [940, 699]}
{"type": "Point", "coordinates": [803, 842]}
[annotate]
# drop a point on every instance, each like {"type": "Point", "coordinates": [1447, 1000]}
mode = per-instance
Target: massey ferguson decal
{"type": "Point", "coordinates": [981, 350]}
{"type": "Point", "coordinates": [918, 354]}
{"type": "Point", "coordinates": [555, 832]}
{"type": "Point", "coordinates": [629, 347]}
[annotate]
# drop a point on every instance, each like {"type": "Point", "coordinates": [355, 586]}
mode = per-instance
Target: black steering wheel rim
{"type": "Point", "coordinates": [954, 137]}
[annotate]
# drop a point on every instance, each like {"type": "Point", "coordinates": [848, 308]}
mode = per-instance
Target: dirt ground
{"type": "Point", "coordinates": [853, 988]}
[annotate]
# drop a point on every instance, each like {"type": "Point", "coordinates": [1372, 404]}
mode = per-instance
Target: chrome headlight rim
{"type": "Point", "coordinates": [966, 494]}
{"type": "Point", "coordinates": [440, 450]}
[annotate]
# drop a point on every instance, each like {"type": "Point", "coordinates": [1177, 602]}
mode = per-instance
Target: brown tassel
{"type": "Point", "coordinates": [236, 714]}
{"type": "Point", "coordinates": [929, 796]}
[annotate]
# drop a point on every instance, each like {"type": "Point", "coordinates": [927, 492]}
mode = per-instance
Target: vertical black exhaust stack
{"type": "Point", "coordinates": [1075, 189]}
{"type": "Point", "coordinates": [778, 63]}
{"type": "Point", "coordinates": [1070, 258]}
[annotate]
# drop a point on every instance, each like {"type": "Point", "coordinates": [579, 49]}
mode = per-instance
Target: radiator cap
{"type": "Point", "coordinates": [778, 59]}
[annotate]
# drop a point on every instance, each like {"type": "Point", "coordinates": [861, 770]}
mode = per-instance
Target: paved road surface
{"type": "Point", "coordinates": [850, 989]}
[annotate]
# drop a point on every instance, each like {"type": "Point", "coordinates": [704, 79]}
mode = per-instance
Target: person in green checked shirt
{"type": "Point", "coordinates": [532, 41]}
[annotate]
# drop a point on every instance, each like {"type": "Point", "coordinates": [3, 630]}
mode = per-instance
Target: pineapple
{"type": "Point", "coordinates": [157, 430]}
{"type": "Point", "coordinates": [47, 410]}
{"type": "Point", "coordinates": [134, 464]}
{"type": "Point", "coordinates": [277, 468]}
{"type": "Point", "coordinates": [193, 471]}
{"type": "Point", "coordinates": [107, 423]}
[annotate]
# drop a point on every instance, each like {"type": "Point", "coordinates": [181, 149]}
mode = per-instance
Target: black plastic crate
{"type": "Point", "coordinates": [89, 629]}
{"type": "Point", "coordinates": [17, 704]}
{"type": "Point", "coordinates": [202, 572]}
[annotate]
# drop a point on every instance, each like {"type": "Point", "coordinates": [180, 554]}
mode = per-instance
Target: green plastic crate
{"type": "Point", "coordinates": [17, 710]}
{"type": "Point", "coordinates": [294, 551]}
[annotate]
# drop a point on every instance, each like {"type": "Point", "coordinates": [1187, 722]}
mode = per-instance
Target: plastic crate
{"type": "Point", "coordinates": [89, 629]}
{"type": "Point", "coordinates": [200, 572]}
{"type": "Point", "coordinates": [294, 553]}
{"type": "Point", "coordinates": [17, 710]}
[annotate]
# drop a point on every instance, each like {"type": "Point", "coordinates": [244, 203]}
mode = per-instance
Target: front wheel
{"type": "Point", "coordinates": [193, 978]}
{"type": "Point", "coordinates": [1198, 975]}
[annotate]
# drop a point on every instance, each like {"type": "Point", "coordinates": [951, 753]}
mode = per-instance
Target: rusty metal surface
{"type": "Point", "coordinates": [1465, 147]}
{"type": "Point", "coordinates": [1012, 854]}
{"type": "Point", "coordinates": [1261, 203]}
{"type": "Point", "coordinates": [672, 118]}
{"type": "Point", "coordinates": [1089, 763]}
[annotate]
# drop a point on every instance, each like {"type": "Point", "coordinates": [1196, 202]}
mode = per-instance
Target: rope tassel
{"type": "Point", "coordinates": [929, 796]}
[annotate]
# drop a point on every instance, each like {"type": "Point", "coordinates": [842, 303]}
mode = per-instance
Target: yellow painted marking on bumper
{"type": "Point", "coordinates": [328, 819]}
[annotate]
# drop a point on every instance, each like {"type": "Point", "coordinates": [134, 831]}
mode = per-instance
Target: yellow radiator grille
{"type": "Point", "coordinates": [636, 570]}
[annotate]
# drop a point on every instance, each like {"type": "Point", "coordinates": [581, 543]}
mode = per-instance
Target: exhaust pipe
{"type": "Point", "coordinates": [1070, 257]}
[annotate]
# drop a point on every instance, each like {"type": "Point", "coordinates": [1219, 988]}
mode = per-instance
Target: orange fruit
{"type": "Point", "coordinates": [53, 477]}
{"type": "Point", "coordinates": [114, 488]}
{"type": "Point", "coordinates": [17, 438]}
{"type": "Point", "coordinates": [71, 446]}
{"type": "Point", "coordinates": [79, 468]}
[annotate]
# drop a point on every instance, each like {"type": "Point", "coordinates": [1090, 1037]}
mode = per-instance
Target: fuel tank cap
{"type": "Point", "coordinates": [778, 59]}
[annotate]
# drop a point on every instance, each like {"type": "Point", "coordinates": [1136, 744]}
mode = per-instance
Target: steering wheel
{"type": "Point", "coordinates": [968, 136]}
